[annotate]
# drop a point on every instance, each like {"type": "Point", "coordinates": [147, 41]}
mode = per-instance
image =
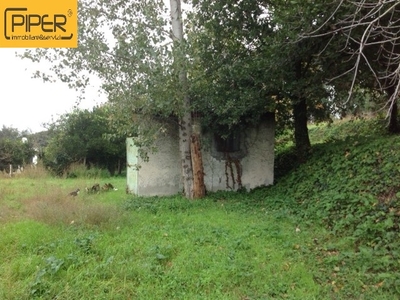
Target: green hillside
{"type": "Point", "coordinates": [328, 229]}
{"type": "Point", "coordinates": [351, 186]}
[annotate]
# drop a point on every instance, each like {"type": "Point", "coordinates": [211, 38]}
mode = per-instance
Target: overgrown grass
{"type": "Point", "coordinates": [156, 248]}
{"type": "Point", "coordinates": [46, 199]}
{"type": "Point", "coordinates": [29, 172]}
{"type": "Point", "coordinates": [78, 170]}
{"type": "Point", "coordinates": [327, 230]}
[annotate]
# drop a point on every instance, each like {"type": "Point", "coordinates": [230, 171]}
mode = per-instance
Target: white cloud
{"type": "Point", "coordinates": [27, 103]}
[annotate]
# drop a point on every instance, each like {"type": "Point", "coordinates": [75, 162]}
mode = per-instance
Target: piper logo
{"type": "Point", "coordinates": [38, 24]}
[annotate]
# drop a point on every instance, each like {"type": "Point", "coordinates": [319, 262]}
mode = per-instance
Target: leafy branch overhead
{"type": "Point", "coordinates": [127, 46]}
{"type": "Point", "coordinates": [242, 60]}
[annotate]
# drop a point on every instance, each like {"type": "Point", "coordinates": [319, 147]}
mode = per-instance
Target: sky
{"type": "Point", "coordinates": [26, 103]}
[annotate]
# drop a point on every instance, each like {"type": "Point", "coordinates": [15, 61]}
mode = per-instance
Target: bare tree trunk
{"type": "Point", "coordinates": [199, 188]}
{"type": "Point", "coordinates": [302, 139]}
{"type": "Point", "coordinates": [186, 158]}
{"type": "Point", "coordinates": [185, 124]}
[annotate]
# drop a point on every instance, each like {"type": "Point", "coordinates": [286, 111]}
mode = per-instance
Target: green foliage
{"type": "Point", "coordinates": [244, 59]}
{"type": "Point", "coordinates": [340, 130]}
{"type": "Point", "coordinates": [127, 46]}
{"type": "Point", "coordinates": [159, 248]}
{"type": "Point", "coordinates": [81, 136]}
{"type": "Point", "coordinates": [248, 61]}
{"type": "Point", "coordinates": [13, 150]}
{"type": "Point", "coordinates": [327, 230]}
{"type": "Point", "coordinates": [350, 185]}
{"type": "Point", "coordinates": [285, 162]}
{"type": "Point", "coordinates": [82, 171]}
{"type": "Point", "coordinates": [285, 154]}
{"type": "Point", "coordinates": [229, 83]}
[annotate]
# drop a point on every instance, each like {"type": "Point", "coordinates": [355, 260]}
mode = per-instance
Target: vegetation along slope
{"type": "Point", "coordinates": [328, 229]}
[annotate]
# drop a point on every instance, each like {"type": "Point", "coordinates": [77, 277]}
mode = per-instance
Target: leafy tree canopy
{"type": "Point", "coordinates": [14, 150]}
{"type": "Point", "coordinates": [84, 136]}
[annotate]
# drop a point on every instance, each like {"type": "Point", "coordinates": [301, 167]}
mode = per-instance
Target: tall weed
{"type": "Point", "coordinates": [58, 208]}
{"type": "Point", "coordinates": [81, 171]}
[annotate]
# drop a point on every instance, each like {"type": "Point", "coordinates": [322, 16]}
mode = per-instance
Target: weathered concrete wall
{"type": "Point", "coordinates": [161, 174]}
{"type": "Point", "coordinates": [251, 166]}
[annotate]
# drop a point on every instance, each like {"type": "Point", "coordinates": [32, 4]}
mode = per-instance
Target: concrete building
{"type": "Point", "coordinates": [246, 160]}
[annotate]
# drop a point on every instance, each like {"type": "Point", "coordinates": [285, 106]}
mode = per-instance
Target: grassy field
{"type": "Point", "coordinates": [319, 233]}
{"type": "Point", "coordinates": [113, 246]}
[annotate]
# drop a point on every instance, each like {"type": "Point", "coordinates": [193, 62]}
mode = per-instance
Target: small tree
{"type": "Point", "coordinates": [13, 150]}
{"type": "Point", "coordinates": [81, 136]}
{"type": "Point", "coordinates": [252, 64]}
{"type": "Point", "coordinates": [130, 47]}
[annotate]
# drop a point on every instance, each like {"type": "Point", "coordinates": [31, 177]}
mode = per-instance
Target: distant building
{"type": "Point", "coordinates": [35, 160]}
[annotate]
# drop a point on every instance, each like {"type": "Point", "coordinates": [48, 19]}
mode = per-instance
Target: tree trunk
{"type": "Point", "coordinates": [302, 139]}
{"type": "Point", "coordinates": [199, 189]}
{"type": "Point", "coordinates": [185, 122]}
{"type": "Point", "coordinates": [393, 122]}
{"type": "Point", "coordinates": [119, 166]}
{"type": "Point", "coordinates": [186, 160]}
